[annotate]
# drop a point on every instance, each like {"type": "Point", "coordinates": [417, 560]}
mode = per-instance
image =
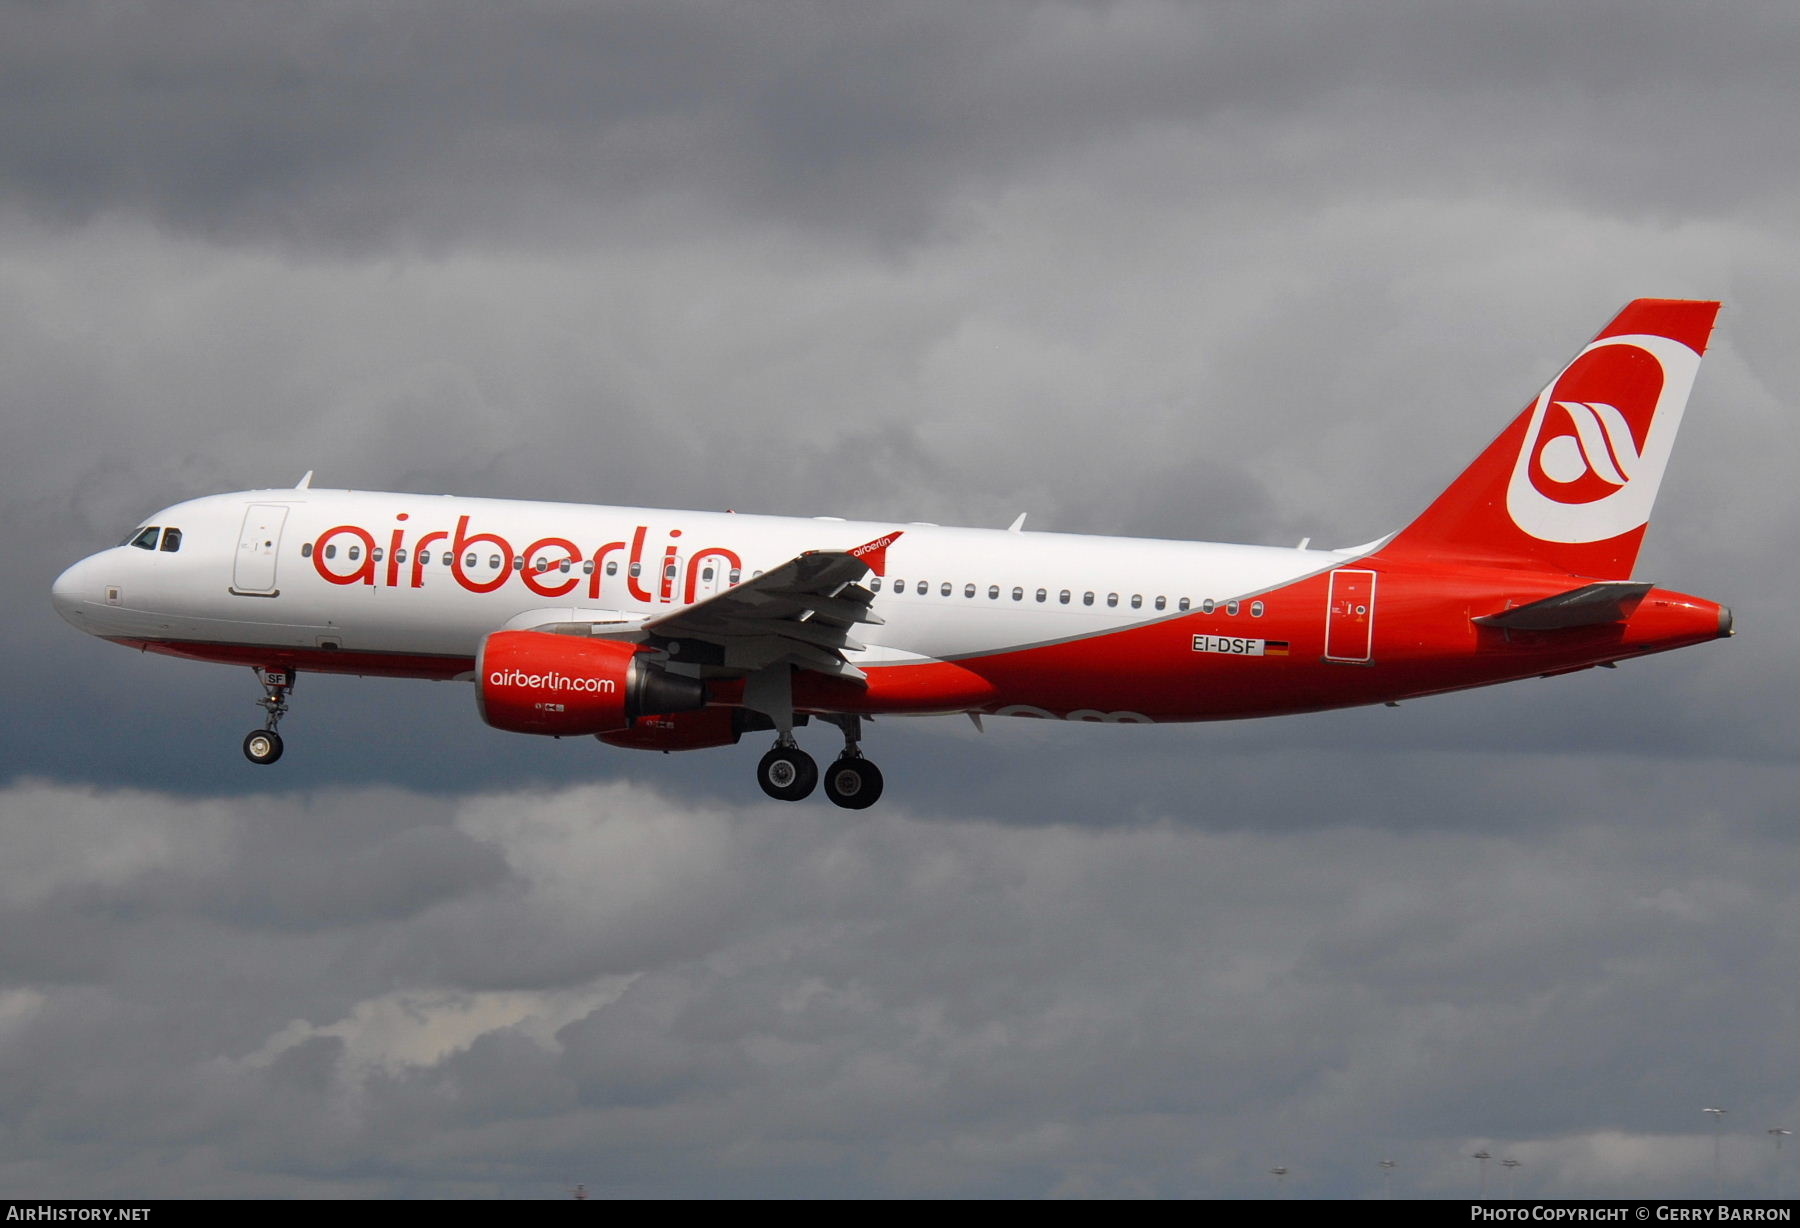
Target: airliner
{"type": "Point", "coordinates": [678, 630]}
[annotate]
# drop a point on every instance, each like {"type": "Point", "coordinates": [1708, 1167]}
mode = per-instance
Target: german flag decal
{"type": "Point", "coordinates": [1238, 646]}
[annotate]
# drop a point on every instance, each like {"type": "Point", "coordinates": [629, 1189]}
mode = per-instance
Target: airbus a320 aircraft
{"type": "Point", "coordinates": [671, 630]}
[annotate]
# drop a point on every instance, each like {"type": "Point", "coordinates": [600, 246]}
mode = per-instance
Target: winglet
{"type": "Point", "coordinates": [873, 554]}
{"type": "Point", "coordinates": [304, 483]}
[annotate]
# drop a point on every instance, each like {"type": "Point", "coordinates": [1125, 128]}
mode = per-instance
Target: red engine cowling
{"type": "Point", "coordinates": [567, 686]}
{"type": "Point", "coordinates": [680, 731]}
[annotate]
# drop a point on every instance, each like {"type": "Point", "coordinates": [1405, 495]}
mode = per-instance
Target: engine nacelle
{"type": "Point", "coordinates": [568, 686]}
{"type": "Point", "coordinates": [682, 730]}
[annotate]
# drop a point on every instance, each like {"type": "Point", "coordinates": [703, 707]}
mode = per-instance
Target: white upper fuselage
{"type": "Point", "coordinates": [252, 569]}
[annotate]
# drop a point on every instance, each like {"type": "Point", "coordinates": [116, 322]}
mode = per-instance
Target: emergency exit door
{"type": "Point", "coordinates": [1350, 617]}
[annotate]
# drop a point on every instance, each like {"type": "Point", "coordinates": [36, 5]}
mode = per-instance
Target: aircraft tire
{"type": "Point", "coordinates": [854, 784]}
{"type": "Point", "coordinates": [787, 774]}
{"type": "Point", "coordinates": [262, 746]}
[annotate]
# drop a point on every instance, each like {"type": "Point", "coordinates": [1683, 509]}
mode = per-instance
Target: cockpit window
{"type": "Point", "coordinates": [143, 539]}
{"type": "Point", "coordinates": [171, 540]}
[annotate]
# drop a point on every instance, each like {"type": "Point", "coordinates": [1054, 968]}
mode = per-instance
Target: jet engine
{"type": "Point", "coordinates": [569, 686]}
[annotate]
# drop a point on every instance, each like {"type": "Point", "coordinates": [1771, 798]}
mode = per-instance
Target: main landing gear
{"type": "Point", "coordinates": [263, 746]}
{"type": "Point", "coordinates": [789, 774]}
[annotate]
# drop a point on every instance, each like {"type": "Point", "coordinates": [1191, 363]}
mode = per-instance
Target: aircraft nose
{"type": "Point", "coordinates": [76, 589]}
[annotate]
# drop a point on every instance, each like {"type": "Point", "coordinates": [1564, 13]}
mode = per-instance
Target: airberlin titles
{"type": "Point", "coordinates": [404, 563]}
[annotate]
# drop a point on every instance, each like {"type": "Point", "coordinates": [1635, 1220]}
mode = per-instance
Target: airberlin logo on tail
{"type": "Point", "coordinates": [1599, 438]}
{"type": "Point", "coordinates": [1602, 447]}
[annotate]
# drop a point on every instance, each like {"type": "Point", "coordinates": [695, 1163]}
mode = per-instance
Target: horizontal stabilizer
{"type": "Point", "coordinates": [1591, 605]}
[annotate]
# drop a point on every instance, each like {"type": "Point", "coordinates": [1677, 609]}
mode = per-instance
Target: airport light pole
{"type": "Point", "coordinates": [1777, 1133]}
{"type": "Point", "coordinates": [1718, 1116]}
{"type": "Point", "coordinates": [1387, 1180]}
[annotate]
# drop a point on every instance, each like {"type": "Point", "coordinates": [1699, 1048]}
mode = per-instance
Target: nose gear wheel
{"type": "Point", "coordinates": [263, 746]}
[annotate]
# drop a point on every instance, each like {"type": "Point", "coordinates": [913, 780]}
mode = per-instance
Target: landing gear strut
{"type": "Point", "coordinates": [263, 746]}
{"type": "Point", "coordinates": [787, 773]}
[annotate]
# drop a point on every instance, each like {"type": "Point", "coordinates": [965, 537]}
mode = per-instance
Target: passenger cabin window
{"type": "Point", "coordinates": [468, 560]}
{"type": "Point", "coordinates": [1063, 597]}
{"type": "Point", "coordinates": [1018, 594]}
{"type": "Point", "coordinates": [494, 562]}
{"type": "Point", "coordinates": [612, 569]}
{"type": "Point", "coordinates": [171, 540]}
{"type": "Point", "coordinates": [1183, 605]}
{"type": "Point", "coordinates": [944, 589]}
{"type": "Point", "coordinates": [993, 592]}
{"type": "Point", "coordinates": [1137, 601]}
{"type": "Point", "coordinates": [375, 555]}
{"type": "Point", "coordinates": [924, 587]}
{"type": "Point", "coordinates": [875, 584]}
{"type": "Point", "coordinates": [1162, 602]}
{"type": "Point", "coordinates": [306, 550]}
{"type": "Point", "coordinates": [1256, 609]}
{"type": "Point", "coordinates": [1231, 608]}
{"type": "Point", "coordinates": [1042, 594]}
{"type": "Point", "coordinates": [968, 590]}
{"type": "Point", "coordinates": [1087, 599]}
{"type": "Point", "coordinates": [1112, 600]}
{"type": "Point", "coordinates": [145, 539]}
{"type": "Point", "coordinates": [1206, 607]}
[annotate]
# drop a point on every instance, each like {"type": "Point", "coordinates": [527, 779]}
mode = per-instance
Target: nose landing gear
{"type": "Point", "coordinates": [263, 746]}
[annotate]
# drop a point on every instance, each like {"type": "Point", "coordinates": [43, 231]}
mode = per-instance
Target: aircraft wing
{"type": "Point", "coordinates": [801, 612]}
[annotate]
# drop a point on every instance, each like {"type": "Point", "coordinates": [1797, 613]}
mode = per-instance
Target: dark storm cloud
{"type": "Point", "coordinates": [367, 127]}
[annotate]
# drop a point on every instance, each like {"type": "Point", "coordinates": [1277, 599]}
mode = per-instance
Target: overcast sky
{"type": "Point", "coordinates": [1228, 271]}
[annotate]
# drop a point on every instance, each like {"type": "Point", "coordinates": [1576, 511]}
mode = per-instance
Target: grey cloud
{"type": "Point", "coordinates": [1231, 272]}
{"type": "Point", "coordinates": [915, 1005]}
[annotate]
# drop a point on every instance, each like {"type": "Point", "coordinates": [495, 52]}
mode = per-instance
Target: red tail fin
{"type": "Point", "coordinates": [1568, 486]}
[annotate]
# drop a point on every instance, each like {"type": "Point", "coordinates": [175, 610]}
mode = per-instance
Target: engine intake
{"type": "Point", "coordinates": [565, 686]}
